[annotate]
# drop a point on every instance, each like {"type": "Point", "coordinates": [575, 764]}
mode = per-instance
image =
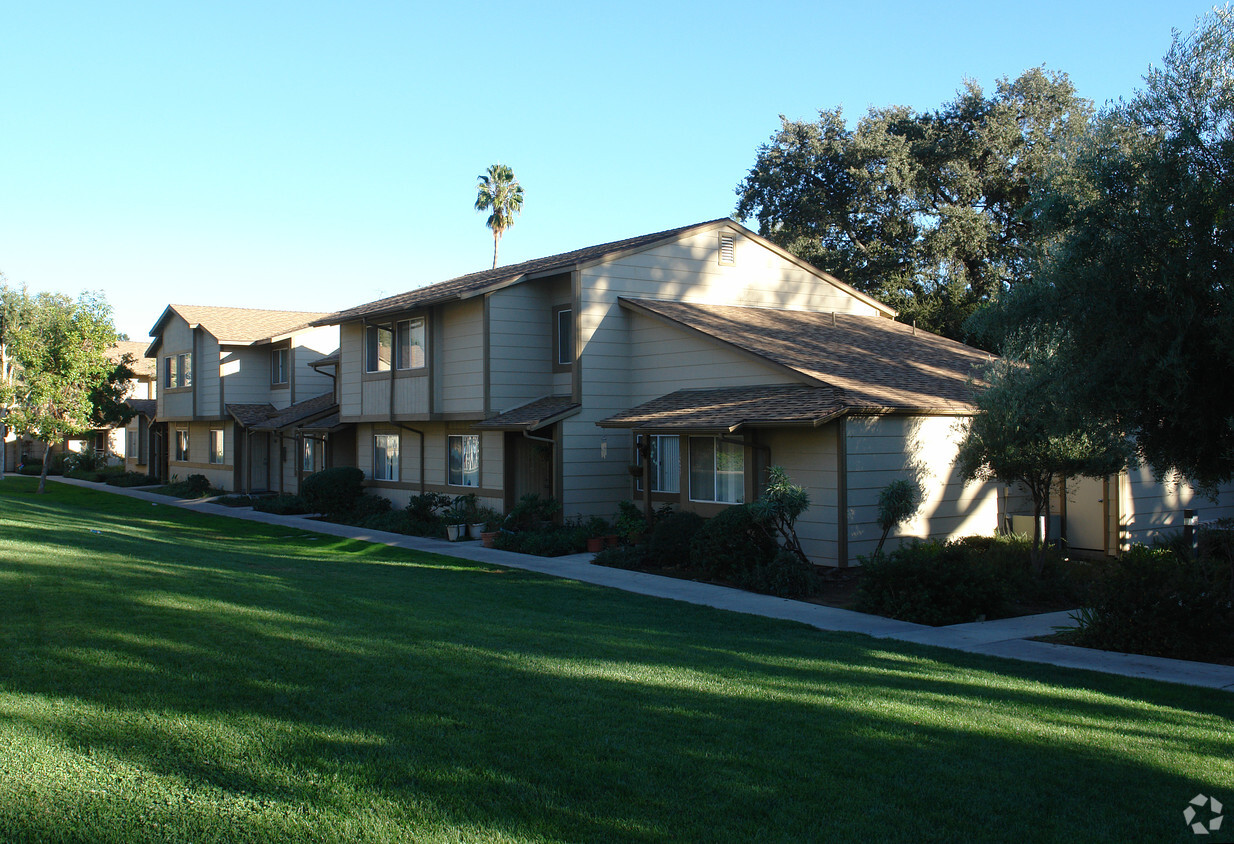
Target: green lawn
{"type": "Point", "coordinates": [171, 676]}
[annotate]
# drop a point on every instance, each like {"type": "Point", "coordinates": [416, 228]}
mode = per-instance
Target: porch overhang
{"type": "Point", "coordinates": [731, 409]}
{"type": "Point", "coordinates": [532, 416]}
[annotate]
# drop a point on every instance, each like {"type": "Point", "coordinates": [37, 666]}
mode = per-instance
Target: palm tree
{"type": "Point", "coordinates": [499, 192]}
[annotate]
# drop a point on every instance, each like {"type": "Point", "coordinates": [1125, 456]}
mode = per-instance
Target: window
{"type": "Point", "coordinates": [411, 344]}
{"type": "Point", "coordinates": [182, 444]}
{"type": "Point", "coordinates": [464, 460]}
{"type": "Point", "coordinates": [184, 375]}
{"type": "Point", "coordinates": [385, 456]}
{"type": "Point", "coordinates": [308, 455]}
{"type": "Point", "coordinates": [717, 470]}
{"type": "Point", "coordinates": [278, 366]}
{"type": "Point", "coordinates": [728, 249]}
{"type": "Point", "coordinates": [169, 371]}
{"type": "Point", "coordinates": [377, 349]}
{"type": "Point", "coordinates": [665, 464]}
{"type": "Point", "coordinates": [130, 446]}
{"type": "Point", "coordinates": [563, 337]}
{"type": "Point", "coordinates": [216, 445]}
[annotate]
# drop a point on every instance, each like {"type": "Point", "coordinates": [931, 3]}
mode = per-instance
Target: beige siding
{"type": "Point", "coordinates": [177, 338]}
{"type": "Point", "coordinates": [920, 448]}
{"type": "Point", "coordinates": [689, 271]}
{"type": "Point", "coordinates": [351, 369]}
{"type": "Point", "coordinates": [307, 347]}
{"type": "Point", "coordinates": [246, 376]}
{"type": "Point", "coordinates": [1149, 509]}
{"type": "Point", "coordinates": [461, 353]}
{"type": "Point", "coordinates": [435, 456]}
{"type": "Point", "coordinates": [521, 341]}
{"type": "Point", "coordinates": [221, 475]}
{"type": "Point", "coordinates": [206, 375]}
{"type": "Point", "coordinates": [809, 458]}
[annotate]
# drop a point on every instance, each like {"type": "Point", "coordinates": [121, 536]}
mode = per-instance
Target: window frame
{"type": "Point", "coordinates": [402, 365]}
{"type": "Point", "coordinates": [280, 372]}
{"type": "Point", "coordinates": [372, 349]}
{"type": "Point", "coordinates": [655, 476]}
{"type": "Point", "coordinates": [217, 450]}
{"type": "Point", "coordinates": [308, 455]}
{"type": "Point", "coordinates": [566, 311]}
{"type": "Point", "coordinates": [463, 473]}
{"type": "Point", "coordinates": [390, 468]}
{"type": "Point", "coordinates": [182, 445]}
{"type": "Point", "coordinates": [717, 446]}
{"type": "Point", "coordinates": [184, 370]}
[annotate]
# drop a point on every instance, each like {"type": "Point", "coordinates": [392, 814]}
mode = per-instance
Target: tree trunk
{"type": "Point", "coordinates": [496, 237]}
{"type": "Point", "coordinates": [43, 474]}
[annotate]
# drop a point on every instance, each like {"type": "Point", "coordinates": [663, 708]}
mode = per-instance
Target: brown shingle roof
{"type": "Point", "coordinates": [731, 408]}
{"type": "Point", "coordinates": [240, 325]}
{"type": "Point", "coordinates": [473, 283]}
{"type": "Point", "coordinates": [249, 415]}
{"type": "Point", "coordinates": [146, 407]}
{"type": "Point", "coordinates": [298, 412]}
{"type": "Point", "coordinates": [533, 415]}
{"type": "Point", "coordinates": [875, 363]}
{"type": "Point", "coordinates": [325, 423]}
{"type": "Point", "coordinates": [141, 364]}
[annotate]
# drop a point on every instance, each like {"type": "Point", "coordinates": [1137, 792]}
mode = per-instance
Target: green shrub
{"type": "Point", "coordinates": [197, 485]}
{"type": "Point", "coordinates": [786, 576]}
{"type": "Point", "coordinates": [366, 506]}
{"type": "Point", "coordinates": [88, 460]}
{"type": "Point", "coordinates": [280, 505]}
{"type": "Point", "coordinates": [630, 524]}
{"type": "Point", "coordinates": [671, 537]}
{"type": "Point", "coordinates": [622, 557]}
{"type": "Point", "coordinates": [428, 507]}
{"type": "Point", "coordinates": [550, 541]}
{"type": "Point", "coordinates": [392, 521]}
{"type": "Point", "coordinates": [931, 582]}
{"type": "Point", "coordinates": [86, 475]}
{"type": "Point", "coordinates": [531, 512]}
{"type": "Point", "coordinates": [731, 545]}
{"type": "Point", "coordinates": [128, 479]}
{"type": "Point", "coordinates": [332, 492]}
{"type": "Point", "coordinates": [1156, 602]}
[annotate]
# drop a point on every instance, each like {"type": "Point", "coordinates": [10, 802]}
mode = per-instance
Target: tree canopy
{"type": "Point", "coordinates": [1135, 292]}
{"type": "Point", "coordinates": [932, 211]}
{"type": "Point", "coordinates": [498, 192]}
{"type": "Point", "coordinates": [63, 382]}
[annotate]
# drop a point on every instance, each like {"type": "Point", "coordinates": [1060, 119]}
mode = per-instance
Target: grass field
{"type": "Point", "coordinates": [171, 676]}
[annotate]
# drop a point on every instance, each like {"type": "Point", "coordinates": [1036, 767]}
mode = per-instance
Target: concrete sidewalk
{"type": "Point", "coordinates": [1010, 638]}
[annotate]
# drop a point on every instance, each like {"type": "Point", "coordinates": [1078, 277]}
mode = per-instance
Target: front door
{"type": "Point", "coordinates": [259, 462]}
{"type": "Point", "coordinates": [1086, 526]}
{"type": "Point", "coordinates": [529, 467]}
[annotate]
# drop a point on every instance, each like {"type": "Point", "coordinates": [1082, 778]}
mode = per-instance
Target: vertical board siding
{"type": "Point", "coordinates": [919, 448]}
{"type": "Point", "coordinates": [206, 376]}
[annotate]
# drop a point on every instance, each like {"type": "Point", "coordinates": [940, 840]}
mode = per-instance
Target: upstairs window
{"type": "Point", "coordinates": [278, 366]}
{"type": "Point", "coordinates": [378, 349]}
{"type": "Point", "coordinates": [178, 371]}
{"type": "Point", "coordinates": [563, 337]}
{"type": "Point", "coordinates": [411, 344]}
{"type": "Point", "coordinates": [169, 371]}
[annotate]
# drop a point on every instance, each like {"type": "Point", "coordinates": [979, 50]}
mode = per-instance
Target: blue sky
{"type": "Point", "coordinates": [312, 155]}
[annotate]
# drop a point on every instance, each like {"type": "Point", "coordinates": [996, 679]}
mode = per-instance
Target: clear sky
{"type": "Point", "coordinates": [315, 156]}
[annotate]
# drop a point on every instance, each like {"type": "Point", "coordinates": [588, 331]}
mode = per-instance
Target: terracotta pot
{"type": "Point", "coordinates": [487, 538]}
{"type": "Point", "coordinates": [595, 544]}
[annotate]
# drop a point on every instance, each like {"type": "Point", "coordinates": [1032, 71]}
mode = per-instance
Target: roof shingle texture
{"type": "Point", "coordinates": [141, 364]}
{"type": "Point", "coordinates": [463, 286]}
{"type": "Point", "coordinates": [249, 415]}
{"type": "Point", "coordinates": [298, 411]}
{"type": "Point", "coordinates": [730, 408]}
{"type": "Point", "coordinates": [245, 325]}
{"type": "Point", "coordinates": [874, 362]}
{"type": "Point", "coordinates": [532, 414]}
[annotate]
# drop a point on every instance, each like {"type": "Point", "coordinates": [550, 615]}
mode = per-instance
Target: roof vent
{"type": "Point", "coordinates": [728, 249]}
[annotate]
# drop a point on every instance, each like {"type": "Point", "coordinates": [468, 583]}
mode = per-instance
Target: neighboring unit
{"type": "Point", "coordinates": [224, 373]}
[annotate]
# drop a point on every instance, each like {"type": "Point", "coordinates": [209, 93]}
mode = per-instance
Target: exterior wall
{"type": "Point", "coordinates": [521, 343]}
{"type": "Point", "coordinates": [460, 353]}
{"type": "Point", "coordinates": [137, 459]}
{"type": "Point", "coordinates": [881, 449]}
{"type": "Point", "coordinates": [221, 475]}
{"type": "Point", "coordinates": [306, 347]}
{"type": "Point", "coordinates": [492, 463]}
{"type": "Point", "coordinates": [246, 379]}
{"type": "Point", "coordinates": [1148, 508]}
{"type": "Point", "coordinates": [810, 457]}
{"type": "Point", "coordinates": [173, 403]}
{"type": "Point", "coordinates": [687, 270]}
{"type": "Point", "coordinates": [351, 370]}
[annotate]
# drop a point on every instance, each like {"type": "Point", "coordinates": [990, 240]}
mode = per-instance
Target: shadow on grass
{"type": "Point", "coordinates": [241, 660]}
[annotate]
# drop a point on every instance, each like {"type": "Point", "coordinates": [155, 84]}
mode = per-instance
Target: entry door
{"type": "Point", "coordinates": [529, 468]}
{"type": "Point", "coordinates": [259, 462]}
{"type": "Point", "coordinates": [1086, 515]}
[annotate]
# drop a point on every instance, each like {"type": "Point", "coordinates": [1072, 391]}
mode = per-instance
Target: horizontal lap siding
{"type": "Point", "coordinates": [221, 475]}
{"type": "Point", "coordinates": [306, 348]}
{"type": "Point", "coordinates": [247, 378]}
{"type": "Point", "coordinates": [809, 458]}
{"type": "Point", "coordinates": [686, 270]}
{"type": "Point", "coordinates": [206, 375]}
{"type": "Point", "coordinates": [177, 338]}
{"type": "Point", "coordinates": [462, 358]}
{"type": "Point", "coordinates": [920, 448]}
{"type": "Point", "coordinates": [351, 368]}
{"type": "Point", "coordinates": [435, 460]}
{"type": "Point", "coordinates": [521, 342]}
{"type": "Point", "coordinates": [1149, 508]}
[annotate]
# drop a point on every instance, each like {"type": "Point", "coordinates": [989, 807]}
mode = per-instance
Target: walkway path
{"type": "Point", "coordinates": [1009, 637]}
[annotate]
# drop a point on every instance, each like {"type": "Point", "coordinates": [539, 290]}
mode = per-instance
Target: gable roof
{"type": "Point", "coordinates": [298, 412]}
{"type": "Point", "coordinates": [236, 326]}
{"type": "Point", "coordinates": [249, 415]}
{"type": "Point", "coordinates": [474, 284]}
{"type": "Point", "coordinates": [145, 407]}
{"type": "Point", "coordinates": [141, 365]}
{"type": "Point", "coordinates": [874, 363]}
{"type": "Point", "coordinates": [532, 416]}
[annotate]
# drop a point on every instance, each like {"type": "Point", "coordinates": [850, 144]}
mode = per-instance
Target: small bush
{"type": "Point", "coordinates": [332, 492]}
{"type": "Point", "coordinates": [128, 479]}
{"type": "Point", "coordinates": [91, 475]}
{"type": "Point", "coordinates": [280, 505]}
{"type": "Point", "coordinates": [366, 506]}
{"type": "Point", "coordinates": [531, 512]}
{"type": "Point", "coordinates": [428, 507]}
{"type": "Point", "coordinates": [622, 557]}
{"type": "Point", "coordinates": [731, 545]}
{"type": "Point", "coordinates": [670, 540]}
{"type": "Point", "coordinates": [197, 485]}
{"type": "Point", "coordinates": [785, 576]}
{"type": "Point", "coordinates": [392, 521]}
{"type": "Point", "coordinates": [931, 582]}
{"type": "Point", "coordinates": [1153, 601]}
{"type": "Point", "coordinates": [554, 541]}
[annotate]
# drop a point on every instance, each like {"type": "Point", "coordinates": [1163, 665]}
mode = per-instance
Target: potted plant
{"type": "Point", "coordinates": [453, 530]}
{"type": "Point", "coordinates": [597, 528]}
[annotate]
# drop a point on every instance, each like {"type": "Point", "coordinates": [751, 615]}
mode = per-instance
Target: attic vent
{"type": "Point", "coordinates": [728, 249]}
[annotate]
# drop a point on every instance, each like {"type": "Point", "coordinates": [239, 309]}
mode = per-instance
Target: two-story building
{"type": "Point", "coordinates": [224, 373]}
